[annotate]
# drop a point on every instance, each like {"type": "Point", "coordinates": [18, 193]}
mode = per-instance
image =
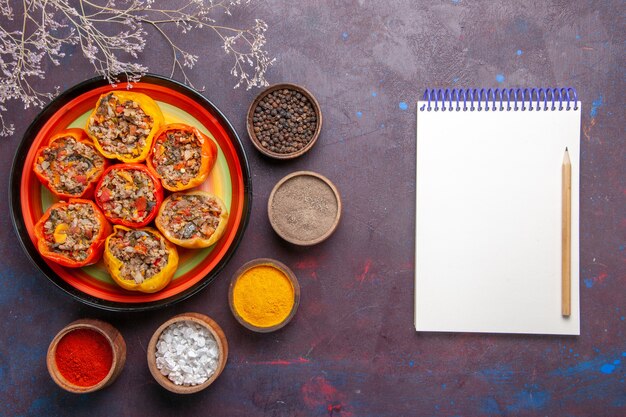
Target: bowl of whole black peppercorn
{"type": "Point", "coordinates": [284, 121]}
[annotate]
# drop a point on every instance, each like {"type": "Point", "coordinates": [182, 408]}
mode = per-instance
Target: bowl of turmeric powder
{"type": "Point", "coordinates": [264, 295]}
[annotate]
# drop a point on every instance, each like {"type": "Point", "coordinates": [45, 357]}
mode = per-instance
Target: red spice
{"type": "Point", "coordinates": [84, 357]}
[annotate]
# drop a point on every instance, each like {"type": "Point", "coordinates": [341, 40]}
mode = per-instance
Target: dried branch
{"type": "Point", "coordinates": [111, 37]}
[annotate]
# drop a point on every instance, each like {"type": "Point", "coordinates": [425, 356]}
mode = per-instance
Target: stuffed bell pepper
{"type": "Point", "coordinates": [69, 166]}
{"type": "Point", "coordinates": [129, 194]}
{"type": "Point", "coordinates": [181, 156]}
{"type": "Point", "coordinates": [123, 125]}
{"type": "Point", "coordinates": [72, 233]}
{"type": "Point", "coordinates": [192, 220]}
{"type": "Point", "coordinates": [140, 259]}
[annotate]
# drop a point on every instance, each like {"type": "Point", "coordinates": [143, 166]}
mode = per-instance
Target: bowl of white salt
{"type": "Point", "coordinates": [187, 353]}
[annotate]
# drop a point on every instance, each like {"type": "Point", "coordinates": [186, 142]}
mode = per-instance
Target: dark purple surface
{"type": "Point", "coordinates": [352, 350]}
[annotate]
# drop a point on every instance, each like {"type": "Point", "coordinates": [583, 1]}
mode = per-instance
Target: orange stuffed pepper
{"type": "Point", "coordinates": [123, 125]}
{"type": "Point", "coordinates": [72, 233]}
{"type": "Point", "coordinates": [192, 220]}
{"type": "Point", "coordinates": [140, 259]}
{"type": "Point", "coordinates": [69, 166]}
{"type": "Point", "coordinates": [181, 156]}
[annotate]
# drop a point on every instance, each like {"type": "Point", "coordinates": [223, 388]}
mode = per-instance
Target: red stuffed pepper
{"type": "Point", "coordinates": [129, 195]}
{"type": "Point", "coordinates": [70, 166]}
{"type": "Point", "coordinates": [72, 234]}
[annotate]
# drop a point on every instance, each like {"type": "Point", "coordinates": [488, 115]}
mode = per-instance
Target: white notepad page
{"type": "Point", "coordinates": [488, 226]}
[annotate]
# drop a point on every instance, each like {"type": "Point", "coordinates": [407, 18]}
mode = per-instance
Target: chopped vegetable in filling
{"type": "Point", "coordinates": [70, 230]}
{"type": "Point", "coordinates": [188, 216]}
{"type": "Point", "coordinates": [121, 128]}
{"type": "Point", "coordinates": [143, 254]}
{"type": "Point", "coordinates": [177, 156]}
{"type": "Point", "coordinates": [69, 165]}
{"type": "Point", "coordinates": [127, 194]}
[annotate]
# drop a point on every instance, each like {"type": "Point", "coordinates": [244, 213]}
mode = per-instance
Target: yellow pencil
{"type": "Point", "coordinates": [566, 236]}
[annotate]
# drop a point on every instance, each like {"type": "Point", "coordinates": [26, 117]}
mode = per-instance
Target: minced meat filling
{"type": "Point", "coordinates": [177, 156]}
{"type": "Point", "coordinates": [70, 230]}
{"type": "Point", "coordinates": [143, 254]}
{"type": "Point", "coordinates": [121, 128]}
{"type": "Point", "coordinates": [69, 165]}
{"type": "Point", "coordinates": [127, 194]}
{"type": "Point", "coordinates": [191, 216]}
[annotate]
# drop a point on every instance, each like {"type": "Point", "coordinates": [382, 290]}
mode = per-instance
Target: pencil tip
{"type": "Point", "coordinates": [566, 149]}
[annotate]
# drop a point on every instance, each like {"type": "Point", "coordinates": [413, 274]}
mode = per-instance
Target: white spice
{"type": "Point", "coordinates": [187, 353]}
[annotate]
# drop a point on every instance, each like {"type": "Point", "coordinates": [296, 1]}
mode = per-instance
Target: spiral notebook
{"type": "Point", "coordinates": [489, 210]}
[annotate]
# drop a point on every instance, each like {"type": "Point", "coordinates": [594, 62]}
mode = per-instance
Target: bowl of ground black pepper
{"type": "Point", "coordinates": [284, 121]}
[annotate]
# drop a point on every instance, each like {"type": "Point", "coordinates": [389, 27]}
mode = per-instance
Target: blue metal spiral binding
{"type": "Point", "coordinates": [555, 92]}
{"type": "Point", "coordinates": [501, 108]}
{"type": "Point", "coordinates": [440, 98]}
{"type": "Point", "coordinates": [545, 105]}
{"type": "Point", "coordinates": [516, 99]}
{"type": "Point", "coordinates": [531, 91]}
{"type": "Point", "coordinates": [449, 94]}
{"type": "Point", "coordinates": [575, 99]}
{"type": "Point", "coordinates": [479, 98]}
{"type": "Point", "coordinates": [508, 98]}
{"type": "Point", "coordinates": [487, 93]}
{"type": "Point", "coordinates": [523, 94]}
{"type": "Point", "coordinates": [464, 94]}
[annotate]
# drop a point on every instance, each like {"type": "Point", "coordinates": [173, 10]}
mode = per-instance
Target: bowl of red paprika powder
{"type": "Point", "coordinates": [86, 355]}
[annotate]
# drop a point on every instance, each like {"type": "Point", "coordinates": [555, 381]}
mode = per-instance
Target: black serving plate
{"type": "Point", "coordinates": [198, 268]}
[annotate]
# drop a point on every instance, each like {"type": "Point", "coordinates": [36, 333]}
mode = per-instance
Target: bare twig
{"type": "Point", "coordinates": [113, 49]}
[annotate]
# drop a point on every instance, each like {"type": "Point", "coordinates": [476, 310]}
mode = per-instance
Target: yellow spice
{"type": "Point", "coordinates": [263, 296]}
